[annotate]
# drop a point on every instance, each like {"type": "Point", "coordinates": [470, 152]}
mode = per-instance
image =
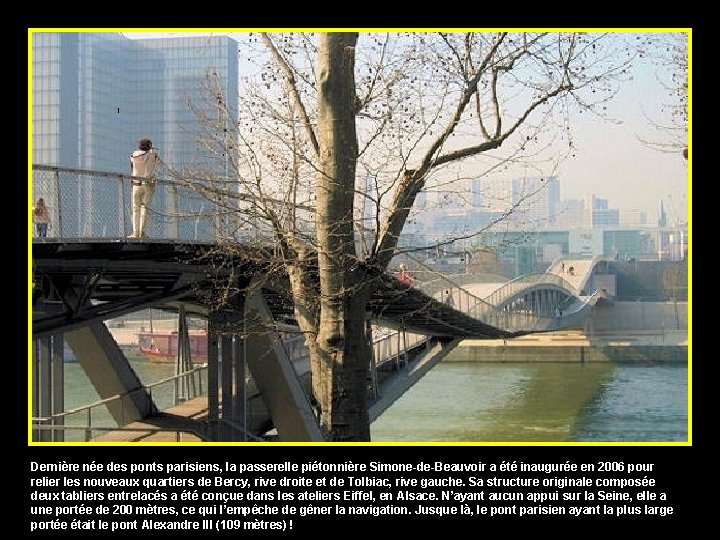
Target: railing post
{"type": "Point", "coordinates": [239, 415]}
{"type": "Point", "coordinates": [58, 207]}
{"type": "Point", "coordinates": [213, 377]}
{"type": "Point", "coordinates": [397, 354]}
{"type": "Point", "coordinates": [173, 211]}
{"type": "Point", "coordinates": [123, 230]}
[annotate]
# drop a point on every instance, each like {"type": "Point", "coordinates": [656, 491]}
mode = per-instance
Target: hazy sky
{"type": "Point", "coordinates": [610, 161]}
{"type": "Point", "coordinates": [613, 163]}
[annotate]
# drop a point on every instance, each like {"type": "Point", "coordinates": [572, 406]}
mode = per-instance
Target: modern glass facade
{"type": "Point", "coordinates": [55, 67]}
{"type": "Point", "coordinates": [95, 94]}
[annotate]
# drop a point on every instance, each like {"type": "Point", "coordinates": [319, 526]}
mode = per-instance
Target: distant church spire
{"type": "Point", "coordinates": [662, 217]}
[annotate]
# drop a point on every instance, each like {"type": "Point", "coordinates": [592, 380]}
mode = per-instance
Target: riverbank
{"type": "Point", "coordinates": [575, 346]}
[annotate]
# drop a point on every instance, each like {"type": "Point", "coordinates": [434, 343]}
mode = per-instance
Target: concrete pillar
{"type": "Point", "coordinates": [185, 387]}
{"type": "Point", "coordinates": [226, 376]}
{"type": "Point", "coordinates": [239, 411]}
{"type": "Point", "coordinates": [110, 372]}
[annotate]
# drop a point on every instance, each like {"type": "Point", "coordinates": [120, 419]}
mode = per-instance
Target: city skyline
{"type": "Point", "coordinates": [610, 159]}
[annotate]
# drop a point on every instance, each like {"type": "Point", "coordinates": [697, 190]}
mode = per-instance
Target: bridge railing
{"type": "Point", "coordinates": [388, 344]}
{"type": "Point", "coordinates": [520, 283]}
{"type": "Point", "coordinates": [84, 204]}
{"type": "Point", "coordinates": [484, 311]}
{"type": "Point", "coordinates": [61, 422]}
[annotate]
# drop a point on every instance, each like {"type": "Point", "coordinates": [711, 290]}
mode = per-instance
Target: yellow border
{"type": "Point", "coordinates": [30, 234]}
{"type": "Point", "coordinates": [688, 31]}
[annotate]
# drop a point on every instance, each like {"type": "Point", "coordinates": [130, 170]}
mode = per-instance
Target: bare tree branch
{"type": "Point", "coordinates": [290, 77]}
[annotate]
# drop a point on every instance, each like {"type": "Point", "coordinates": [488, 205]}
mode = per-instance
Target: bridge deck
{"type": "Point", "coordinates": [118, 276]}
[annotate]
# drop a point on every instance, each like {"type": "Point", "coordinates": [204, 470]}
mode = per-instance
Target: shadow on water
{"type": "Point", "coordinates": [469, 401]}
{"type": "Point", "coordinates": [642, 403]}
{"type": "Point", "coordinates": [548, 401]}
{"type": "Point", "coordinates": [540, 402]}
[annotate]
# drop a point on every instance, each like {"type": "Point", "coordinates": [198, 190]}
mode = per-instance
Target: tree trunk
{"type": "Point", "coordinates": [341, 361]}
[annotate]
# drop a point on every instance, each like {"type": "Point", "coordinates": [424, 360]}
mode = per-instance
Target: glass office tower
{"type": "Point", "coordinates": [95, 94]}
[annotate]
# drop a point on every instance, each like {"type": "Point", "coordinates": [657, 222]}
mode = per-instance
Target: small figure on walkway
{"type": "Point", "coordinates": [562, 268]}
{"type": "Point", "coordinates": [41, 217]}
{"type": "Point", "coordinates": [404, 276]}
{"type": "Point", "coordinates": [449, 300]}
{"type": "Point", "coordinates": [142, 164]}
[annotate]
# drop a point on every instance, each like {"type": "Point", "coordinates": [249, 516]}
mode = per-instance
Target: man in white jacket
{"type": "Point", "coordinates": [142, 163]}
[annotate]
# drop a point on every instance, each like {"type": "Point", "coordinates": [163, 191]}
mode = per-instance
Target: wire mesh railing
{"type": "Point", "coordinates": [522, 283]}
{"type": "Point", "coordinates": [480, 309]}
{"type": "Point", "coordinates": [88, 204]}
{"type": "Point", "coordinates": [491, 311]}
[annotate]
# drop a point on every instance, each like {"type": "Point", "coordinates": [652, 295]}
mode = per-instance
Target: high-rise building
{"type": "Point", "coordinates": [477, 193]}
{"type": "Point", "coordinates": [553, 196]}
{"type": "Point", "coordinates": [537, 200]}
{"type": "Point", "coordinates": [601, 213]}
{"type": "Point", "coordinates": [493, 194]}
{"type": "Point", "coordinates": [598, 204]}
{"type": "Point", "coordinates": [94, 95]}
{"type": "Point", "coordinates": [530, 202]}
{"type": "Point", "coordinates": [572, 214]}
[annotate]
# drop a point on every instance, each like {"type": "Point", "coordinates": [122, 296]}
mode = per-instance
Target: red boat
{"type": "Point", "coordinates": [163, 346]}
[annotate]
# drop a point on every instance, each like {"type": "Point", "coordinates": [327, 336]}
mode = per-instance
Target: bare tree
{"type": "Point", "coordinates": [338, 133]}
{"type": "Point", "coordinates": [674, 281]}
{"type": "Point", "coordinates": [668, 52]}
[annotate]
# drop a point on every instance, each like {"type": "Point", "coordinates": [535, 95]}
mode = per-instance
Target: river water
{"type": "Point", "coordinates": [499, 402]}
{"type": "Point", "coordinates": [534, 402]}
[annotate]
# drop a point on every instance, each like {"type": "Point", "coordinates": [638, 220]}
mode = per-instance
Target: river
{"type": "Point", "coordinates": [499, 402]}
{"type": "Point", "coordinates": [548, 401]}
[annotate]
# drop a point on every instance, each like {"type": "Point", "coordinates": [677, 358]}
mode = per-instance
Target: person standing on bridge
{"type": "Point", "coordinates": [404, 276]}
{"type": "Point", "coordinates": [142, 165]}
{"type": "Point", "coordinates": [41, 217]}
{"type": "Point", "coordinates": [449, 300]}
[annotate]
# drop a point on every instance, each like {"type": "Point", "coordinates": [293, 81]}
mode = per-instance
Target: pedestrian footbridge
{"type": "Point", "coordinates": [256, 381]}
